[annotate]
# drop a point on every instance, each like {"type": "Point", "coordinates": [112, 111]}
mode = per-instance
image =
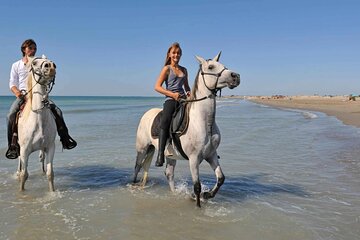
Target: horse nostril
{"type": "Point", "coordinates": [234, 75]}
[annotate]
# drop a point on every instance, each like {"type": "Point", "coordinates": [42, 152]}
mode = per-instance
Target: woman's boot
{"type": "Point", "coordinates": [162, 143]}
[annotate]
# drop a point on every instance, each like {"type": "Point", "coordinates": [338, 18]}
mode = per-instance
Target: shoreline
{"type": "Point", "coordinates": [339, 106]}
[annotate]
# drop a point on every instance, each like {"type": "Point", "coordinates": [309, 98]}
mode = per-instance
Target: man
{"type": "Point", "coordinates": [18, 85]}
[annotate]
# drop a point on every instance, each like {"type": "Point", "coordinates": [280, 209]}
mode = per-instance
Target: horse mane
{"type": "Point", "coordinates": [195, 86]}
{"type": "Point", "coordinates": [29, 97]}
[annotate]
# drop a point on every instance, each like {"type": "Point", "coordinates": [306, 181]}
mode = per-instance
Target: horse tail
{"type": "Point", "coordinates": [143, 161]}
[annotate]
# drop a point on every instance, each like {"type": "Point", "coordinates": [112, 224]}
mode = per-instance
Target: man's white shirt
{"type": "Point", "coordinates": [18, 75]}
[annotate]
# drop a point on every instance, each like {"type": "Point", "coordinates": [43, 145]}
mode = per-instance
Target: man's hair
{"type": "Point", "coordinates": [25, 44]}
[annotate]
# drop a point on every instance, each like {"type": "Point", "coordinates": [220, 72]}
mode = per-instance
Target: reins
{"type": "Point", "coordinates": [213, 95]}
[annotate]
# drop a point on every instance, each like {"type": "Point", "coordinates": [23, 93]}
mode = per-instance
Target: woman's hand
{"type": "Point", "coordinates": [176, 96]}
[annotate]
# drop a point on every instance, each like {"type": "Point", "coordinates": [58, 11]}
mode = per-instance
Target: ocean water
{"type": "Point", "coordinates": [290, 174]}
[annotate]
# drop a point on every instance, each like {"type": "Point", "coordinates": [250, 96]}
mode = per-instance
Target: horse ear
{"type": "Point", "coordinates": [200, 59]}
{"type": "Point", "coordinates": [217, 57]}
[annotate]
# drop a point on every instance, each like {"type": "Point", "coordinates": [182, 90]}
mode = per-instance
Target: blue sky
{"type": "Point", "coordinates": [118, 47]}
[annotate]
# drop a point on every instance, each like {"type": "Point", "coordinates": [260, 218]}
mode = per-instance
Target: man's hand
{"type": "Point", "coordinates": [18, 94]}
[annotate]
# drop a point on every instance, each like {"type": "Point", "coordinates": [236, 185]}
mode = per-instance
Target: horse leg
{"type": "Point", "coordinates": [42, 158]}
{"type": "Point", "coordinates": [194, 169]}
{"type": "Point", "coordinates": [23, 173]}
{"type": "Point", "coordinates": [140, 156]}
{"type": "Point", "coordinates": [143, 160]}
{"type": "Point", "coordinates": [147, 162]}
{"type": "Point", "coordinates": [49, 156]}
{"type": "Point", "coordinates": [220, 177]}
{"type": "Point", "coordinates": [18, 169]}
{"type": "Point", "coordinates": [169, 172]}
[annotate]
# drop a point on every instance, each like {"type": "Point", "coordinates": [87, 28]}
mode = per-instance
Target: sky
{"type": "Point", "coordinates": [117, 48]}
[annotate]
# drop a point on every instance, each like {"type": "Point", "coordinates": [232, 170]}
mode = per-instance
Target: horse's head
{"type": "Point", "coordinates": [41, 79]}
{"type": "Point", "coordinates": [216, 76]}
{"type": "Point", "coordinates": [43, 70]}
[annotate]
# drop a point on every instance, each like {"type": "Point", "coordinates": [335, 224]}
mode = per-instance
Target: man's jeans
{"type": "Point", "coordinates": [11, 117]}
{"type": "Point", "coordinates": [14, 109]}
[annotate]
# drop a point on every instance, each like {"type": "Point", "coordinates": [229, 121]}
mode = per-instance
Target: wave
{"type": "Point", "coordinates": [86, 110]}
{"type": "Point", "coordinates": [305, 114]}
{"type": "Point", "coordinates": [309, 115]}
{"type": "Point", "coordinates": [108, 109]}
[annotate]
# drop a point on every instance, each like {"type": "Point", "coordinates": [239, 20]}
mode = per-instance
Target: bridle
{"type": "Point", "coordinates": [213, 91]}
{"type": "Point", "coordinates": [48, 86]}
{"type": "Point", "coordinates": [217, 75]}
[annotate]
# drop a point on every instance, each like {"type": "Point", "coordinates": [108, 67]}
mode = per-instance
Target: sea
{"type": "Point", "coordinates": [290, 174]}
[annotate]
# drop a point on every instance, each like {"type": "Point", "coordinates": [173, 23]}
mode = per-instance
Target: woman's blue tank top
{"type": "Point", "coordinates": [175, 83]}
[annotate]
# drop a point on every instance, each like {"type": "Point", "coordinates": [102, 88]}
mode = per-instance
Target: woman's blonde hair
{"type": "Point", "coordinates": [174, 45]}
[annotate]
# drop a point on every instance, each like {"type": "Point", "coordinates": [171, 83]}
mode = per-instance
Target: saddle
{"type": "Point", "coordinates": [178, 126]}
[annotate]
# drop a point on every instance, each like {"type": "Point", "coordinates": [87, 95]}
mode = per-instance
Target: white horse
{"type": "Point", "coordinates": [36, 126]}
{"type": "Point", "coordinates": [202, 137]}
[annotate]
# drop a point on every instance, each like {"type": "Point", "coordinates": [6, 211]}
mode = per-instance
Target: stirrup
{"type": "Point", "coordinates": [13, 152]}
{"type": "Point", "coordinates": [69, 143]}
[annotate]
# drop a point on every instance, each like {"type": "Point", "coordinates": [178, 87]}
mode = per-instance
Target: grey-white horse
{"type": "Point", "coordinates": [36, 127]}
{"type": "Point", "coordinates": [202, 137]}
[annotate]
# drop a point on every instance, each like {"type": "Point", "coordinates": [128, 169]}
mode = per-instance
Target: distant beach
{"type": "Point", "coordinates": [345, 108]}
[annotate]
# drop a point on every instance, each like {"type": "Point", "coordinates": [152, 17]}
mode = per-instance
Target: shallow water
{"type": "Point", "coordinates": [290, 174]}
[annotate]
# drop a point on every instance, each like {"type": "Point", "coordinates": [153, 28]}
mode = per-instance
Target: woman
{"type": "Point", "coordinates": [18, 85]}
{"type": "Point", "coordinates": [175, 78]}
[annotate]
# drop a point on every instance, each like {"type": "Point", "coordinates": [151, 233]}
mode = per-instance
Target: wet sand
{"type": "Point", "coordinates": [339, 106]}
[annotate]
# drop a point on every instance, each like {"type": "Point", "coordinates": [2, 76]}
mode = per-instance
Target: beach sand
{"type": "Point", "coordinates": [339, 106]}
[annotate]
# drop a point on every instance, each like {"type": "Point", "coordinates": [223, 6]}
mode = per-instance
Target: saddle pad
{"type": "Point", "coordinates": [155, 127]}
{"type": "Point", "coordinates": [180, 120]}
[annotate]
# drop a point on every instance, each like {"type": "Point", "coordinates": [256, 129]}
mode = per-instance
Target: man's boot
{"type": "Point", "coordinates": [162, 143]}
{"type": "Point", "coordinates": [66, 140]}
{"type": "Point", "coordinates": [13, 145]}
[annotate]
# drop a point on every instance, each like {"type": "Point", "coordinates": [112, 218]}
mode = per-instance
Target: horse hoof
{"type": "Point", "coordinates": [12, 153]}
{"type": "Point", "coordinates": [202, 198]}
